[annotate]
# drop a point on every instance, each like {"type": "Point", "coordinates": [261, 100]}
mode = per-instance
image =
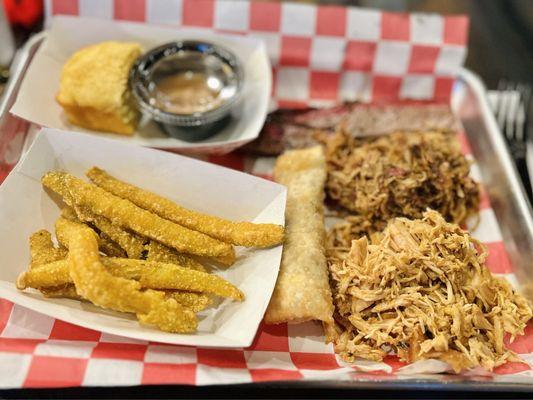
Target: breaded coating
{"type": "Point", "coordinates": [238, 233]}
{"type": "Point", "coordinates": [52, 275]}
{"type": "Point", "coordinates": [105, 244]}
{"type": "Point", "coordinates": [109, 247]}
{"type": "Point", "coordinates": [65, 291]}
{"type": "Point", "coordinates": [127, 215]}
{"type": "Point", "coordinates": [42, 249]}
{"type": "Point", "coordinates": [94, 90]}
{"type": "Point", "coordinates": [302, 290]}
{"type": "Point", "coordinates": [95, 283]}
{"type": "Point", "coordinates": [135, 246]}
{"type": "Point", "coordinates": [151, 275]}
{"type": "Point", "coordinates": [168, 276]}
{"type": "Point", "coordinates": [160, 252]}
{"type": "Point", "coordinates": [131, 243]}
{"type": "Point", "coordinates": [195, 301]}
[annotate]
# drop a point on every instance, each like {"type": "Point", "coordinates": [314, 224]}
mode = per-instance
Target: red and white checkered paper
{"type": "Point", "coordinates": [319, 54]}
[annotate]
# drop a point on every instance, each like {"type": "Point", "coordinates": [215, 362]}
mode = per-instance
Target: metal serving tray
{"type": "Point", "coordinates": [500, 177]}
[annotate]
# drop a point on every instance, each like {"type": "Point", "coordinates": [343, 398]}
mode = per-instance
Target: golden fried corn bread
{"type": "Point", "coordinates": [94, 88]}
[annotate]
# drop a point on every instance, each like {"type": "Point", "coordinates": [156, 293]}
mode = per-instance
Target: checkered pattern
{"type": "Point", "coordinates": [319, 54]}
{"type": "Point", "coordinates": [38, 351]}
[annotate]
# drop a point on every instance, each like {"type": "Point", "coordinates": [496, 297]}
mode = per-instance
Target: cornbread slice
{"type": "Point", "coordinates": [94, 88]}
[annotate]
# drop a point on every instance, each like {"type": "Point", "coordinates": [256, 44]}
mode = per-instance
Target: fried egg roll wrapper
{"type": "Point", "coordinates": [238, 233]}
{"type": "Point", "coordinates": [127, 215]}
{"type": "Point", "coordinates": [95, 283]}
{"type": "Point", "coordinates": [302, 290]}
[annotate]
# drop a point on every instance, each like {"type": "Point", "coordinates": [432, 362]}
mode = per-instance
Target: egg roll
{"type": "Point", "coordinates": [302, 291]}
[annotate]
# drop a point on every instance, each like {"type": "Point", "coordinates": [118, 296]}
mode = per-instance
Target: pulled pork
{"type": "Point", "coordinates": [398, 175]}
{"type": "Point", "coordinates": [420, 289]}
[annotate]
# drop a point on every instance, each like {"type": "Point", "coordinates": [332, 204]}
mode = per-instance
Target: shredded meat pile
{"type": "Point", "coordinates": [420, 289]}
{"type": "Point", "coordinates": [398, 175]}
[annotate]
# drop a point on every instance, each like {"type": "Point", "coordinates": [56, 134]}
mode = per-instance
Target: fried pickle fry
{"type": "Point", "coordinates": [151, 275]}
{"type": "Point", "coordinates": [42, 249]}
{"type": "Point", "coordinates": [170, 276]}
{"type": "Point", "coordinates": [51, 275]}
{"type": "Point", "coordinates": [195, 301]}
{"type": "Point", "coordinates": [66, 291]}
{"type": "Point", "coordinates": [160, 252]}
{"type": "Point", "coordinates": [96, 284]}
{"type": "Point", "coordinates": [57, 272]}
{"type": "Point", "coordinates": [134, 245]}
{"type": "Point", "coordinates": [131, 243]}
{"type": "Point", "coordinates": [105, 244]}
{"type": "Point", "coordinates": [109, 247]}
{"type": "Point", "coordinates": [127, 215]}
{"type": "Point", "coordinates": [238, 233]}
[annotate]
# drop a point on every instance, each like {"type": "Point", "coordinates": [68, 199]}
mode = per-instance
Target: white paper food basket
{"type": "Point", "coordinates": [26, 207]}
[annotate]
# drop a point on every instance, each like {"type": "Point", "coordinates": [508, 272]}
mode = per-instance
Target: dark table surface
{"type": "Point", "coordinates": [252, 391]}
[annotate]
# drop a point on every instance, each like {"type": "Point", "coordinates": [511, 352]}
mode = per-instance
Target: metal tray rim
{"type": "Point", "coordinates": [477, 86]}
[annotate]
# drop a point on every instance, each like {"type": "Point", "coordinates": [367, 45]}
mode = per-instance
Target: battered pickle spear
{"type": "Point", "coordinates": [238, 233]}
{"type": "Point", "coordinates": [42, 249]}
{"type": "Point", "coordinates": [132, 244]}
{"type": "Point", "coordinates": [160, 252]}
{"type": "Point", "coordinates": [105, 244]}
{"type": "Point", "coordinates": [95, 283]}
{"type": "Point", "coordinates": [42, 252]}
{"type": "Point", "coordinates": [124, 213]}
{"type": "Point", "coordinates": [151, 275]}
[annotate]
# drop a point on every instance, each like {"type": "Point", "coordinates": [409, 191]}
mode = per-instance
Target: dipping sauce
{"type": "Point", "coordinates": [186, 93]}
{"type": "Point", "coordinates": [189, 88]}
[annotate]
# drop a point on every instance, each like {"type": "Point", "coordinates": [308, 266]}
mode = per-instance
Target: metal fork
{"type": "Point", "coordinates": [511, 108]}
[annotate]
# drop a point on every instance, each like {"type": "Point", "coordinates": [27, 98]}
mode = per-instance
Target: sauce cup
{"type": "Point", "coordinates": [188, 87]}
